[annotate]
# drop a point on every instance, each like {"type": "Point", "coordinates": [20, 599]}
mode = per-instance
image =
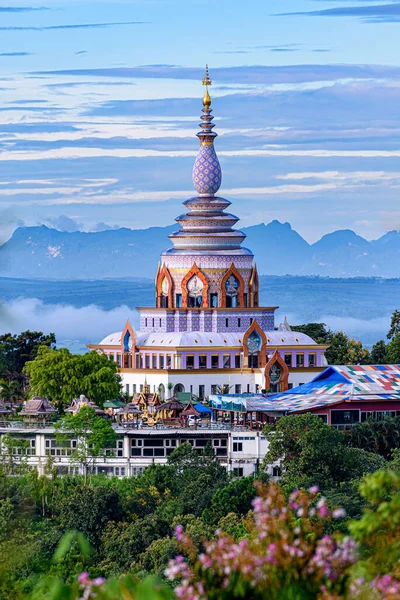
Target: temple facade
{"type": "Point", "coordinates": [207, 333]}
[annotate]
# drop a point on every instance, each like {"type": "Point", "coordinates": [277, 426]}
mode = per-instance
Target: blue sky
{"type": "Point", "coordinates": [100, 103]}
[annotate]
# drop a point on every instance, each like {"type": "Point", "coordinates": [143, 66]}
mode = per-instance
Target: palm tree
{"type": "Point", "coordinates": [12, 392]}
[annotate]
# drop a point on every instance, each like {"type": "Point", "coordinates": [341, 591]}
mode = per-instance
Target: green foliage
{"type": "Point", "coordinates": [394, 330]}
{"type": "Point", "coordinates": [378, 529]}
{"type": "Point", "coordinates": [61, 376]}
{"type": "Point", "coordinates": [310, 451]}
{"type": "Point", "coordinates": [92, 433]}
{"type": "Point", "coordinates": [381, 437]}
{"type": "Point", "coordinates": [393, 351]}
{"type": "Point", "coordinates": [378, 353]}
{"type": "Point", "coordinates": [17, 350]}
{"type": "Point", "coordinates": [236, 497]}
{"type": "Point", "coordinates": [12, 392]}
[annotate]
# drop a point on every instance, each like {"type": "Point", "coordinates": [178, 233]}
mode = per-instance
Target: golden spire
{"type": "Point", "coordinates": [207, 81]}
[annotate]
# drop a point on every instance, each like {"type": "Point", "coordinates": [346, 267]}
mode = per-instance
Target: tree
{"type": "Point", "coordinates": [317, 331]}
{"type": "Point", "coordinates": [93, 435]}
{"type": "Point", "coordinates": [379, 353]}
{"type": "Point", "coordinates": [17, 350]}
{"type": "Point", "coordinates": [61, 376]}
{"type": "Point", "coordinates": [393, 351]}
{"type": "Point", "coordinates": [309, 451]}
{"type": "Point", "coordinates": [12, 391]}
{"type": "Point", "coordinates": [394, 325]}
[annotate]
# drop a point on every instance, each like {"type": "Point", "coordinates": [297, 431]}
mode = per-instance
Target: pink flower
{"type": "Point", "coordinates": [179, 532]}
{"type": "Point", "coordinates": [83, 578]}
{"type": "Point", "coordinates": [339, 513]}
{"type": "Point", "coordinates": [314, 489]}
{"type": "Point", "coordinates": [98, 581]}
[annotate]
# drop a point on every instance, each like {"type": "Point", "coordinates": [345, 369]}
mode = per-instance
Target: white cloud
{"type": "Point", "coordinates": [87, 324]}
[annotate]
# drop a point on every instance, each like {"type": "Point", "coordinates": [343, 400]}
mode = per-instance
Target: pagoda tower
{"type": "Point", "coordinates": [207, 267]}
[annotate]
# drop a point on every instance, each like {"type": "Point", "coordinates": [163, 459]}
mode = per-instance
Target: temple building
{"type": "Point", "coordinates": [207, 333]}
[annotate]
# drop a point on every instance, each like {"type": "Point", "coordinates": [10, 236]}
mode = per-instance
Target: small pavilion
{"type": "Point", "coordinates": [129, 414]}
{"type": "Point", "coordinates": [78, 403]}
{"type": "Point", "coordinates": [190, 411]}
{"type": "Point", "coordinates": [38, 410]}
{"type": "Point", "coordinates": [170, 412]}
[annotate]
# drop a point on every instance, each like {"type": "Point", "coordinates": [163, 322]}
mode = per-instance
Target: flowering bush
{"type": "Point", "coordinates": [285, 553]}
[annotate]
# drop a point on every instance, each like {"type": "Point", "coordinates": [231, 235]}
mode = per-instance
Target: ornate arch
{"type": "Point", "coordinates": [263, 352]}
{"type": "Point", "coordinates": [194, 271]}
{"type": "Point", "coordinates": [276, 358]}
{"type": "Point", "coordinates": [162, 274]}
{"type": "Point", "coordinates": [253, 287]}
{"type": "Point", "coordinates": [127, 347]}
{"type": "Point", "coordinates": [232, 271]}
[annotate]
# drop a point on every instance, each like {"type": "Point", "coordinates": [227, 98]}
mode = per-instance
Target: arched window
{"type": "Point", "coordinates": [232, 289]}
{"type": "Point", "coordinates": [164, 293]}
{"type": "Point", "coordinates": [232, 292]}
{"type": "Point", "coordinates": [161, 392]}
{"type": "Point", "coordinates": [254, 345]}
{"type": "Point", "coordinates": [195, 288]}
{"type": "Point", "coordinates": [179, 388]}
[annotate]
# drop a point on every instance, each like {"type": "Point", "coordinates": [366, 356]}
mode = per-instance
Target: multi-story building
{"type": "Point", "coordinates": [207, 331]}
{"type": "Point", "coordinates": [240, 451]}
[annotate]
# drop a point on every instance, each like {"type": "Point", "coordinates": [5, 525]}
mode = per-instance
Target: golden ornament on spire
{"type": "Point", "coordinates": [207, 81]}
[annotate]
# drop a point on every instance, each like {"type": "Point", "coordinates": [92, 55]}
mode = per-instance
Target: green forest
{"type": "Point", "coordinates": [64, 537]}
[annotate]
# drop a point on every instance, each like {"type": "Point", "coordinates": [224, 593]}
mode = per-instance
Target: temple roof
{"type": "Point", "coordinates": [209, 339]}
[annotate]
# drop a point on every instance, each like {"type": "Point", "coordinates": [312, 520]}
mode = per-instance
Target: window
{"type": "Point", "coordinates": [323, 417]}
{"type": "Point", "coordinates": [378, 415]}
{"type": "Point", "coordinates": [145, 322]}
{"type": "Point", "coordinates": [248, 388]}
{"type": "Point", "coordinates": [133, 388]}
{"type": "Point", "coordinates": [227, 361]}
{"type": "Point", "coordinates": [276, 472]}
{"type": "Point", "coordinates": [190, 362]}
{"type": "Point", "coordinates": [161, 361]}
{"type": "Point", "coordinates": [127, 388]}
{"type": "Point", "coordinates": [237, 361]}
{"type": "Point", "coordinates": [141, 387]}
{"type": "Point", "coordinates": [195, 302]}
{"type": "Point", "coordinates": [288, 359]}
{"type": "Point", "coordinates": [226, 322]}
{"type": "Point", "coordinates": [238, 388]}
{"type": "Point", "coordinates": [344, 417]}
{"type": "Point", "coordinates": [153, 322]}
{"type": "Point", "coordinates": [238, 471]}
{"type": "Point", "coordinates": [169, 361]}
{"type": "Point", "coordinates": [202, 391]}
{"type": "Point", "coordinates": [202, 362]}
{"type": "Point", "coordinates": [245, 296]}
{"type": "Point", "coordinates": [299, 360]}
{"type": "Point", "coordinates": [119, 360]}
{"type": "Point", "coordinates": [239, 322]}
{"type": "Point", "coordinates": [214, 389]}
{"type": "Point", "coordinates": [214, 361]}
{"type": "Point", "coordinates": [160, 322]}
{"type": "Point", "coordinates": [290, 386]}
{"type": "Point", "coordinates": [178, 300]}
{"type": "Point", "coordinates": [237, 446]}
{"type": "Point", "coordinates": [164, 301]}
{"type": "Point", "coordinates": [147, 361]}
{"type": "Point", "coordinates": [154, 359]}
{"type": "Point", "coordinates": [137, 361]}
{"type": "Point", "coordinates": [213, 300]}
{"type": "Point", "coordinates": [312, 360]}
{"type": "Point", "coordinates": [253, 361]}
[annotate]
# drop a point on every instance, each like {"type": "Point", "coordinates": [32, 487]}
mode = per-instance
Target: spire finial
{"type": "Point", "coordinates": [207, 81]}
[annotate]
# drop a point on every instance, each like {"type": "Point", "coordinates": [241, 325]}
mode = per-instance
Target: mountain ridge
{"type": "Point", "coordinates": [47, 253]}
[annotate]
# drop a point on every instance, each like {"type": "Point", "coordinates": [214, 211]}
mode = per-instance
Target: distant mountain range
{"type": "Point", "coordinates": [41, 252]}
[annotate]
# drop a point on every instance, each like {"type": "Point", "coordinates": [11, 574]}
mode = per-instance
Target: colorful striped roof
{"type": "Point", "coordinates": [359, 383]}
